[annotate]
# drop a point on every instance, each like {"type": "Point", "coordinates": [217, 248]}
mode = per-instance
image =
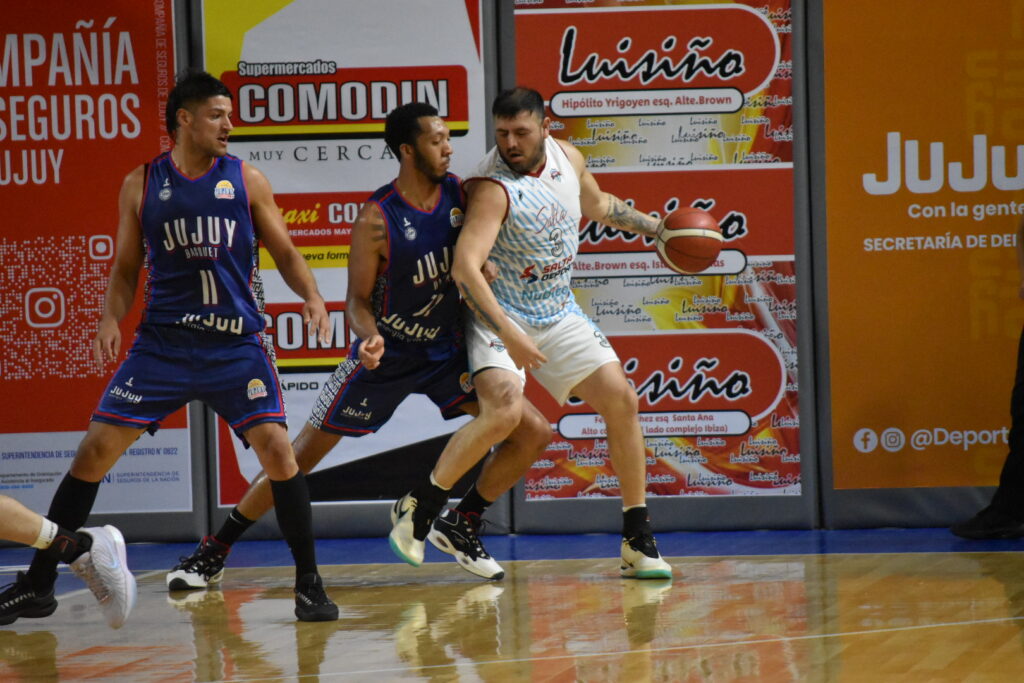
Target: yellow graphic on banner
{"type": "Point", "coordinates": [232, 20]}
{"type": "Point", "coordinates": [316, 257]}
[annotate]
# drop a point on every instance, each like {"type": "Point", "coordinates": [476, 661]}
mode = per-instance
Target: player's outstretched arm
{"type": "Point", "coordinates": [124, 274]}
{"type": "Point", "coordinates": [272, 231]}
{"type": "Point", "coordinates": [485, 211]}
{"type": "Point", "coordinates": [605, 207]}
{"type": "Point", "coordinates": [366, 259]}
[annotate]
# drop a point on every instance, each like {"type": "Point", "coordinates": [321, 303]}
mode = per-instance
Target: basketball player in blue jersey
{"type": "Point", "coordinates": [406, 312]}
{"type": "Point", "coordinates": [194, 217]}
{"type": "Point", "coordinates": [525, 201]}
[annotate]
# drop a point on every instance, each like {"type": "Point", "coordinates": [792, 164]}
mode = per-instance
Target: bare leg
{"type": "Point", "coordinates": [513, 456]}
{"type": "Point", "coordinates": [500, 393]}
{"type": "Point", "coordinates": [101, 447]}
{"type": "Point", "coordinates": [18, 523]}
{"type": "Point", "coordinates": [310, 447]}
{"type": "Point", "coordinates": [608, 392]}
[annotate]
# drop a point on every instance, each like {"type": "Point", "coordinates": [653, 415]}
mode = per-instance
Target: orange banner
{"type": "Point", "coordinates": [923, 114]}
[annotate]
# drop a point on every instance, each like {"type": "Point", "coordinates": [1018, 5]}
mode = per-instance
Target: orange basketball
{"type": "Point", "coordinates": [689, 240]}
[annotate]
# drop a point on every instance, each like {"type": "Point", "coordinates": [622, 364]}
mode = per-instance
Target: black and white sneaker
{"type": "Point", "coordinates": [204, 566]}
{"type": "Point", "coordinates": [311, 601]}
{"type": "Point", "coordinates": [641, 559]}
{"type": "Point", "coordinates": [20, 600]}
{"type": "Point", "coordinates": [456, 534]}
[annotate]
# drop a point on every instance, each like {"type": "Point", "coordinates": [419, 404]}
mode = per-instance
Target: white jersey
{"type": "Point", "coordinates": [538, 241]}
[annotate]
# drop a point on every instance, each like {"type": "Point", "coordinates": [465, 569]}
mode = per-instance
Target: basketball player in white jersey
{"type": "Point", "coordinates": [525, 201]}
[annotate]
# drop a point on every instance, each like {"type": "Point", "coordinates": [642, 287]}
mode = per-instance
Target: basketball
{"type": "Point", "coordinates": [689, 240]}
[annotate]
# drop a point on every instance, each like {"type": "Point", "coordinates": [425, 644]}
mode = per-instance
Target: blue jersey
{"type": "Point", "coordinates": [415, 300]}
{"type": "Point", "coordinates": [201, 249]}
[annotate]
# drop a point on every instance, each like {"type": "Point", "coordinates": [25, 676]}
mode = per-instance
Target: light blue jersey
{"type": "Point", "coordinates": [538, 241]}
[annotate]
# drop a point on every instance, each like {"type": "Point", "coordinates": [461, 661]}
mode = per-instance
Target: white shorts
{"type": "Point", "coordinates": [574, 347]}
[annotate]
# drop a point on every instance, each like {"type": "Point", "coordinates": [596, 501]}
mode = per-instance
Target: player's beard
{"type": "Point", "coordinates": [526, 165]}
{"type": "Point", "coordinates": [424, 167]}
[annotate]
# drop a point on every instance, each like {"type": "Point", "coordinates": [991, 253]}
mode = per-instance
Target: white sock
{"type": "Point", "coordinates": [47, 533]}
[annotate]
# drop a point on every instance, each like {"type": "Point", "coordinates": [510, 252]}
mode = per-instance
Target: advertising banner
{"type": "Point", "coordinates": [83, 88]}
{"type": "Point", "coordinates": [313, 82]}
{"type": "Point", "coordinates": [925, 192]}
{"type": "Point", "coordinates": [676, 105]}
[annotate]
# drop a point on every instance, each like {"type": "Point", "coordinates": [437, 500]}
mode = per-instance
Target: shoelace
{"type": "Point", "coordinates": [20, 597]}
{"type": "Point", "coordinates": [474, 529]}
{"type": "Point", "coordinates": [201, 561]}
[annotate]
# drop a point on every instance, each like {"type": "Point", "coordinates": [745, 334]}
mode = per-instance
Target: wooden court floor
{"type": "Point", "coordinates": [893, 616]}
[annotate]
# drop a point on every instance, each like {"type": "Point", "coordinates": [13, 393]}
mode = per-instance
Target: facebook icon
{"type": "Point", "coordinates": [865, 440]}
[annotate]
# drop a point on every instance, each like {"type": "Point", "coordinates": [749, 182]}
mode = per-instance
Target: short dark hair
{"type": "Point", "coordinates": [402, 126]}
{"type": "Point", "coordinates": [509, 103]}
{"type": "Point", "coordinates": [192, 87]}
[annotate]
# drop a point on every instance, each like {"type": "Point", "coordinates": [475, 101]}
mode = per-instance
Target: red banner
{"type": "Point", "coordinates": [674, 106]}
{"type": "Point", "coordinates": [82, 89]}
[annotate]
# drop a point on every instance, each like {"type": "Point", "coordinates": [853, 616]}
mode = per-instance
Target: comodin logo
{"type": "Point", "coordinates": [281, 101]}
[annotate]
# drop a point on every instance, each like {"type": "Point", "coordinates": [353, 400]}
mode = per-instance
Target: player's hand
{"type": "Point", "coordinates": [523, 351]}
{"type": "Point", "coordinates": [107, 343]}
{"type": "Point", "coordinates": [370, 351]}
{"type": "Point", "coordinates": [490, 271]}
{"type": "Point", "coordinates": [314, 314]}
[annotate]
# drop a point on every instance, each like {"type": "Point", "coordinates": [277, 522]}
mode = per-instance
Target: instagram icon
{"type": "Point", "coordinates": [44, 307]}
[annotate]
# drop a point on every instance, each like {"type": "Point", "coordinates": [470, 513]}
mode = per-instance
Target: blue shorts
{"type": "Point", "coordinates": [357, 401]}
{"type": "Point", "coordinates": [167, 367]}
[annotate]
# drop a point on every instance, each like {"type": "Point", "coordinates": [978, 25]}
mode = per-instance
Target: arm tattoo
{"type": "Point", "coordinates": [481, 314]}
{"type": "Point", "coordinates": [622, 215]}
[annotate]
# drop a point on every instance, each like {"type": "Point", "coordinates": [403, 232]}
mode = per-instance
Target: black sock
{"type": "Point", "coordinates": [473, 503]}
{"type": "Point", "coordinates": [67, 546]}
{"type": "Point", "coordinates": [295, 517]}
{"type": "Point", "coordinates": [233, 528]}
{"type": "Point", "coordinates": [635, 522]}
{"type": "Point", "coordinates": [69, 509]}
{"type": "Point", "coordinates": [430, 498]}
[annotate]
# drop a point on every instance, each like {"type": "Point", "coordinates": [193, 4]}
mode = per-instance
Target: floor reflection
{"type": "Point", "coordinates": [941, 616]}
